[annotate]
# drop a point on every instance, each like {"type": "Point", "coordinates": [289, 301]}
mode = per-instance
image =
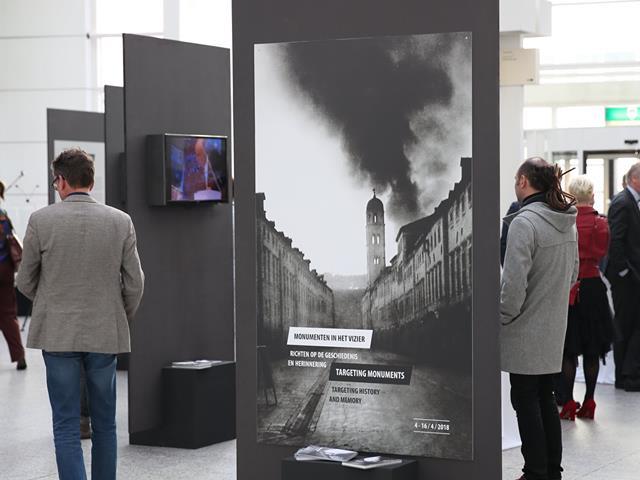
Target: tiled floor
{"type": "Point", "coordinates": [605, 449]}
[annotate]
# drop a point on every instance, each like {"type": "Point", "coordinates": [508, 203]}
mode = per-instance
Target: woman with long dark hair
{"type": "Point", "coordinates": [8, 304]}
{"type": "Point", "coordinates": [589, 328]}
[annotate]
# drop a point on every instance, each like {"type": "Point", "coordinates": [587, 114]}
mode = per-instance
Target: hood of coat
{"type": "Point", "coordinates": [560, 221]}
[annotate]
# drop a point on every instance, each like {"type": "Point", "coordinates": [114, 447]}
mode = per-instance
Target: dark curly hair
{"type": "Point", "coordinates": [547, 178]}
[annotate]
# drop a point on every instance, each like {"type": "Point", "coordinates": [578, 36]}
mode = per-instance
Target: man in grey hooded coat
{"type": "Point", "coordinates": [540, 266]}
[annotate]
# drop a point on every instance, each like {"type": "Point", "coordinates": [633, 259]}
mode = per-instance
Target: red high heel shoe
{"type": "Point", "coordinates": [588, 410]}
{"type": "Point", "coordinates": [569, 410]}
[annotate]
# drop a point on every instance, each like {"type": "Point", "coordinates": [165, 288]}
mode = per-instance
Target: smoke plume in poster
{"type": "Point", "coordinates": [388, 108]}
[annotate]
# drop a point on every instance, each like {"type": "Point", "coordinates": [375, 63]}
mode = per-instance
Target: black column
{"type": "Point", "coordinates": [186, 250]}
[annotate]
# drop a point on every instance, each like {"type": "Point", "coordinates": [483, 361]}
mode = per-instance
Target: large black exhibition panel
{"type": "Point", "coordinates": [366, 134]}
{"type": "Point", "coordinates": [116, 186]}
{"type": "Point", "coordinates": [114, 146]}
{"type": "Point", "coordinates": [186, 250]}
{"type": "Point", "coordinates": [70, 128]}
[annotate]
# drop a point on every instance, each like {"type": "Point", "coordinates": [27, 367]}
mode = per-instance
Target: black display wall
{"type": "Point", "coordinates": [114, 146]}
{"type": "Point", "coordinates": [71, 125]}
{"type": "Point", "coordinates": [256, 22]}
{"type": "Point", "coordinates": [114, 161]}
{"type": "Point", "coordinates": [186, 250]}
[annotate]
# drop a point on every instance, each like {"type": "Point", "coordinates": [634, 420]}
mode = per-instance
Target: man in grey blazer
{"type": "Point", "coordinates": [80, 266]}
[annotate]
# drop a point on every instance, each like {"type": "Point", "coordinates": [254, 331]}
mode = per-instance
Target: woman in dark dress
{"type": "Point", "coordinates": [8, 306]}
{"type": "Point", "coordinates": [589, 329]}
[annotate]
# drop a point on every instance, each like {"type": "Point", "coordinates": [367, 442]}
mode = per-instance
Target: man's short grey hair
{"type": "Point", "coordinates": [634, 172]}
{"type": "Point", "coordinates": [581, 188]}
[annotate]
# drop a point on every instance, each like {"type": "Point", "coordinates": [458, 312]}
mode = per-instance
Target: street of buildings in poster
{"type": "Point", "coordinates": [364, 244]}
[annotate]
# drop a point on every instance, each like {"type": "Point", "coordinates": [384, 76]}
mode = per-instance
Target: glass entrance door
{"type": "Point", "coordinates": [606, 169]}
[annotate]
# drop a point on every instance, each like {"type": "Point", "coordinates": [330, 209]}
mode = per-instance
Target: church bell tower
{"type": "Point", "coordinates": [375, 238]}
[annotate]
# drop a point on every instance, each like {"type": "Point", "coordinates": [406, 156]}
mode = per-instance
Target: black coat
{"type": "Point", "coordinates": [513, 208]}
{"type": "Point", "coordinates": [624, 224]}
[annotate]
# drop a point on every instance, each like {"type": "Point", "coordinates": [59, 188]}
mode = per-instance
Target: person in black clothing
{"type": "Point", "coordinates": [623, 271]}
{"type": "Point", "coordinates": [513, 208]}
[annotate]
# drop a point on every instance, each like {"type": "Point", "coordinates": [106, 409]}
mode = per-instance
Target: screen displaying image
{"type": "Point", "coordinates": [197, 168]}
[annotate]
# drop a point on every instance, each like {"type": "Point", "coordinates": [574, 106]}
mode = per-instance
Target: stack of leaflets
{"type": "Point", "coordinates": [313, 452]}
{"type": "Point", "coordinates": [195, 364]}
{"type": "Point", "coordinates": [366, 463]}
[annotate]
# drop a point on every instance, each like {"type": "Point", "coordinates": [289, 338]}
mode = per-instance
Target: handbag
{"type": "Point", "coordinates": [574, 293]}
{"type": "Point", "coordinates": [15, 250]}
{"type": "Point", "coordinates": [14, 245]}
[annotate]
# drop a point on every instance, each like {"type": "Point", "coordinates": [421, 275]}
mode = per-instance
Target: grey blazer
{"type": "Point", "coordinates": [81, 268]}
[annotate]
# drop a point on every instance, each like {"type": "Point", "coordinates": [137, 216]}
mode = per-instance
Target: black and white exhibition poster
{"type": "Point", "coordinates": [364, 244]}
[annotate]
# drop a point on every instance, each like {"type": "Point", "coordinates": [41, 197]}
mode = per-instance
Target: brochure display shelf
{"type": "Point", "coordinates": [320, 470]}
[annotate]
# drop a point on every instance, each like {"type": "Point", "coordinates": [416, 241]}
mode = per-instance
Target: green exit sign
{"type": "Point", "coordinates": [629, 115]}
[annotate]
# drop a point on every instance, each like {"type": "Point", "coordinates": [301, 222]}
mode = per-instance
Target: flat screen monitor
{"type": "Point", "coordinates": [196, 168]}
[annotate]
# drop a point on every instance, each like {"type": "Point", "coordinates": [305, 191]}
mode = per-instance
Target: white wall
{"type": "Point", "coordinates": [511, 131]}
{"type": "Point", "coordinates": [41, 17]}
{"type": "Point", "coordinates": [48, 62]}
{"type": "Point", "coordinates": [205, 21]}
{"type": "Point", "coordinates": [529, 17]}
{"type": "Point", "coordinates": [518, 18]}
{"type": "Point", "coordinates": [46, 58]}
{"type": "Point", "coordinates": [609, 93]}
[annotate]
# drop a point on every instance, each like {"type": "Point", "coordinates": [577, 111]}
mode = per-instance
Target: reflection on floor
{"type": "Point", "coordinates": [606, 449]}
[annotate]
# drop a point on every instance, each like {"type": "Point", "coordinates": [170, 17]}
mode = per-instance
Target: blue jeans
{"type": "Point", "coordinates": [63, 383]}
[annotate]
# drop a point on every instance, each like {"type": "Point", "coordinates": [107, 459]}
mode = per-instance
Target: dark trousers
{"type": "Point", "coordinates": [626, 345]}
{"type": "Point", "coordinates": [539, 424]}
{"type": "Point", "coordinates": [11, 331]}
{"type": "Point", "coordinates": [8, 310]}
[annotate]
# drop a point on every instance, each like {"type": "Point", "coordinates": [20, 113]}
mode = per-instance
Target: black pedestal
{"type": "Point", "coordinates": [312, 470]}
{"type": "Point", "coordinates": [199, 405]}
